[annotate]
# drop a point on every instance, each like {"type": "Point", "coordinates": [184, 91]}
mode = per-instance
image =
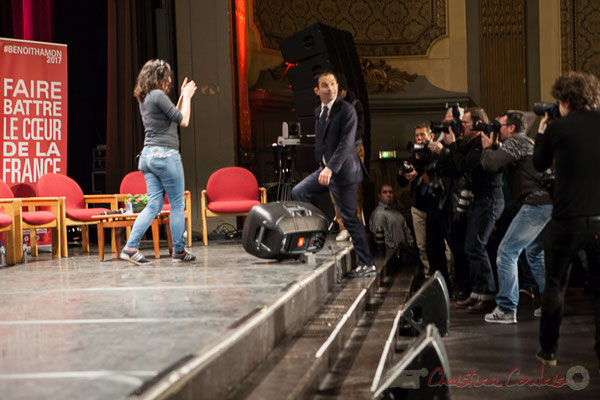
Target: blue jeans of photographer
{"type": "Point", "coordinates": [163, 171]}
{"type": "Point", "coordinates": [481, 219]}
{"type": "Point", "coordinates": [526, 232]}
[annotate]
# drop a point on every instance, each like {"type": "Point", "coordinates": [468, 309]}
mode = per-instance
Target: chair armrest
{"type": "Point", "coordinates": [121, 197]}
{"type": "Point", "coordinates": [263, 195]}
{"type": "Point", "coordinates": [101, 199]}
{"type": "Point", "coordinates": [52, 202]}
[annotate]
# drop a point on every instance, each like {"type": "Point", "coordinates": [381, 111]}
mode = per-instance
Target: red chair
{"type": "Point", "coordinates": [230, 191]}
{"type": "Point", "coordinates": [75, 211]}
{"type": "Point", "coordinates": [34, 218]}
{"type": "Point", "coordinates": [134, 183]}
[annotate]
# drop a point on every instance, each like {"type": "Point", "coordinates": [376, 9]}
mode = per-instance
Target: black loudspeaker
{"type": "Point", "coordinates": [306, 101]}
{"type": "Point", "coordinates": [302, 76]}
{"type": "Point", "coordinates": [314, 40]}
{"type": "Point", "coordinates": [284, 229]}
{"type": "Point", "coordinates": [421, 372]}
{"type": "Point", "coordinates": [430, 305]}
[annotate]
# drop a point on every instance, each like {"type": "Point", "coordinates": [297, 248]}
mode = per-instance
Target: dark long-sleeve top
{"type": "Point", "coordinates": [573, 142]}
{"type": "Point", "coordinates": [515, 155]}
{"type": "Point", "coordinates": [160, 118]}
{"type": "Point", "coordinates": [421, 195]}
{"type": "Point", "coordinates": [466, 156]}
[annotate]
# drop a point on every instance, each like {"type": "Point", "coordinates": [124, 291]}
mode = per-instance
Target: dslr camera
{"type": "Point", "coordinates": [455, 124]}
{"type": "Point", "coordinates": [405, 167]}
{"type": "Point", "coordinates": [540, 108]}
{"type": "Point", "coordinates": [492, 126]}
{"type": "Point", "coordinates": [417, 147]}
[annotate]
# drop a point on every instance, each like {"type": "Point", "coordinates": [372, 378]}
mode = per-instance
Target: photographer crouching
{"type": "Point", "coordinates": [527, 193]}
{"type": "Point", "coordinates": [573, 142]}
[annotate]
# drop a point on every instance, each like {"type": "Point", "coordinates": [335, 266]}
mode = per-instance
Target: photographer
{"type": "Point", "coordinates": [442, 224]}
{"type": "Point", "coordinates": [486, 207]}
{"type": "Point", "coordinates": [573, 142]}
{"type": "Point", "coordinates": [421, 193]}
{"type": "Point", "coordinates": [527, 193]}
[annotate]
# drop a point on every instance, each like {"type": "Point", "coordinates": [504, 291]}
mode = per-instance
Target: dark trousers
{"type": "Point", "coordinates": [436, 230]}
{"type": "Point", "coordinates": [345, 200]}
{"type": "Point", "coordinates": [481, 219]}
{"type": "Point", "coordinates": [563, 239]}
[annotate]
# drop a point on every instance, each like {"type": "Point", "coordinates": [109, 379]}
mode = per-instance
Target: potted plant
{"type": "Point", "coordinates": [138, 201]}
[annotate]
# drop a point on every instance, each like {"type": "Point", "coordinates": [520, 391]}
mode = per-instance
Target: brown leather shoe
{"type": "Point", "coordinates": [468, 302]}
{"type": "Point", "coordinates": [482, 306]}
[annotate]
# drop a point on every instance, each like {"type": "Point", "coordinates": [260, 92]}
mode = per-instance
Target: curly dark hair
{"type": "Point", "coordinates": [580, 90]}
{"type": "Point", "coordinates": [155, 74]}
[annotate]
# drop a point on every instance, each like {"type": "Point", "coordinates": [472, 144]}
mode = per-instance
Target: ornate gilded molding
{"type": "Point", "coordinates": [580, 35]}
{"type": "Point", "coordinates": [382, 78]}
{"type": "Point", "coordinates": [379, 27]}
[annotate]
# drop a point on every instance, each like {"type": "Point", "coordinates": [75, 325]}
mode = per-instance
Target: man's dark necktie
{"type": "Point", "coordinates": [322, 121]}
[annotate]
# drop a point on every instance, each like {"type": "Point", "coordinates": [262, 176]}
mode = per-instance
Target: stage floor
{"type": "Point", "coordinates": [80, 328]}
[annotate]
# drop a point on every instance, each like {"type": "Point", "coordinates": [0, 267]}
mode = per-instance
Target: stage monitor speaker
{"type": "Point", "coordinates": [309, 42]}
{"type": "Point", "coordinates": [421, 371]}
{"type": "Point", "coordinates": [431, 304]}
{"type": "Point", "coordinates": [284, 229]}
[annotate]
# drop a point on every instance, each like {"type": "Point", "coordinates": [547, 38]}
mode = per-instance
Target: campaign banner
{"type": "Point", "coordinates": [33, 114]}
{"type": "Point", "coordinates": [33, 110]}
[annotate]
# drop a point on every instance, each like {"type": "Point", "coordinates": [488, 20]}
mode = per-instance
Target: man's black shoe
{"type": "Point", "coordinates": [546, 358]}
{"type": "Point", "coordinates": [363, 271]}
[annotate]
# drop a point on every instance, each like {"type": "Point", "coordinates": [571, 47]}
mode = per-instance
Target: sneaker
{"type": "Point", "coordinates": [184, 256]}
{"type": "Point", "coordinates": [363, 271]}
{"type": "Point", "coordinates": [134, 257]}
{"type": "Point", "coordinates": [342, 236]}
{"type": "Point", "coordinates": [546, 358]}
{"type": "Point", "coordinates": [501, 317]}
{"type": "Point", "coordinates": [537, 312]}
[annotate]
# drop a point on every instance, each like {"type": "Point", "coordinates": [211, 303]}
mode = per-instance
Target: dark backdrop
{"type": "Point", "coordinates": [81, 25]}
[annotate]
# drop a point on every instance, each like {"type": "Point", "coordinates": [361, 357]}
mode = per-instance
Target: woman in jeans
{"type": "Point", "coordinates": [160, 160]}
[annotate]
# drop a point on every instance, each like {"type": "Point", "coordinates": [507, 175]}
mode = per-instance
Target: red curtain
{"type": "Point", "coordinates": [31, 19]}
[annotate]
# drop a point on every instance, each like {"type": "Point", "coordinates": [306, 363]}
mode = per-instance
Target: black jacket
{"type": "Point", "coordinates": [573, 142]}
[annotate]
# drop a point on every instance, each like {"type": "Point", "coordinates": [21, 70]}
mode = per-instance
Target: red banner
{"type": "Point", "coordinates": [33, 114]}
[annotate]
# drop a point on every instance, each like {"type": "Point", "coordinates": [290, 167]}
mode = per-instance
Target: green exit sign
{"type": "Point", "coordinates": [387, 154]}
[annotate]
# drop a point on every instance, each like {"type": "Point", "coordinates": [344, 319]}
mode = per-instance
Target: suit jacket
{"type": "Point", "coordinates": [336, 143]}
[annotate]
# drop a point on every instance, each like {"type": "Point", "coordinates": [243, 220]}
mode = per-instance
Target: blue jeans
{"type": "Point", "coordinates": [163, 172]}
{"type": "Point", "coordinates": [481, 220]}
{"type": "Point", "coordinates": [526, 232]}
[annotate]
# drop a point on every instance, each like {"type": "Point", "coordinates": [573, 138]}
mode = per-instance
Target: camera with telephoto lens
{"type": "Point", "coordinates": [455, 124]}
{"type": "Point", "coordinates": [465, 197]}
{"type": "Point", "coordinates": [417, 147]}
{"type": "Point", "coordinates": [492, 126]}
{"type": "Point", "coordinates": [540, 108]}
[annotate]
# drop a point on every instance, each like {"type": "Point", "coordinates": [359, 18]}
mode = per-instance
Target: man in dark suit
{"type": "Point", "coordinates": [340, 170]}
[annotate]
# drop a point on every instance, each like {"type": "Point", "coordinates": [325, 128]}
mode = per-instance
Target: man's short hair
{"type": "Point", "coordinates": [422, 125]}
{"type": "Point", "coordinates": [580, 90]}
{"type": "Point", "coordinates": [517, 119]}
{"type": "Point", "coordinates": [477, 114]}
{"type": "Point", "coordinates": [384, 185]}
{"type": "Point", "coordinates": [323, 73]}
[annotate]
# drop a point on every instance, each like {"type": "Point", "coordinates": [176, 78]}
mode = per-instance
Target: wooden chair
{"type": "Point", "coordinates": [75, 211]}
{"type": "Point", "coordinates": [10, 224]}
{"type": "Point", "coordinates": [134, 183]}
{"type": "Point", "coordinates": [230, 191]}
{"type": "Point", "coordinates": [33, 217]}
